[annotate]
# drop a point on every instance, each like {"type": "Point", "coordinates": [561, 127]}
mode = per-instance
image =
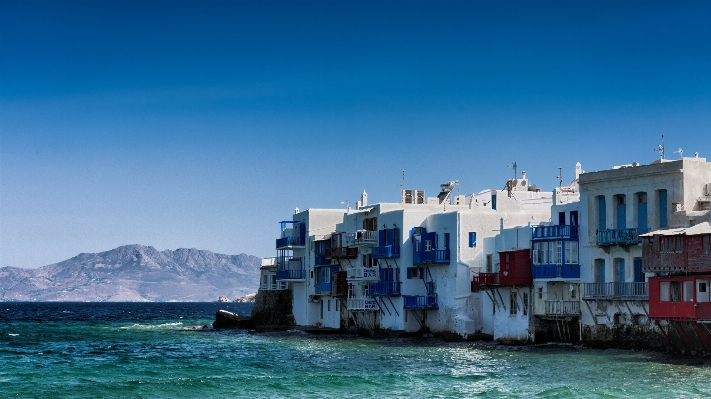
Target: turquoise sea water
{"type": "Point", "coordinates": [152, 350]}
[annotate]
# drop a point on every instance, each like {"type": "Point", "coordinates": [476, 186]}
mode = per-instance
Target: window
{"type": "Point", "coordinates": [599, 270]}
{"type": "Point", "coordinates": [368, 261]}
{"type": "Point", "coordinates": [327, 276]}
{"type": "Point", "coordinates": [322, 309]}
{"type": "Point", "coordinates": [707, 244]}
{"type": "Point", "coordinates": [676, 291]}
{"type": "Point", "coordinates": [702, 291]}
{"type": "Point", "coordinates": [664, 291]}
{"type": "Point", "coordinates": [513, 309]}
{"type": "Point", "coordinates": [472, 239]}
{"type": "Point", "coordinates": [370, 224]}
{"type": "Point", "coordinates": [428, 245]}
{"type": "Point", "coordinates": [572, 293]}
{"type": "Point", "coordinates": [524, 298]}
{"type": "Point", "coordinates": [561, 218]}
{"type": "Point", "coordinates": [688, 291]}
{"type": "Point", "coordinates": [329, 305]}
{"type": "Point", "coordinates": [601, 213]}
{"type": "Point", "coordinates": [338, 307]}
{"type": "Point", "coordinates": [415, 272]}
{"type": "Point", "coordinates": [558, 252]}
{"type": "Point", "coordinates": [489, 262]}
{"type": "Point", "coordinates": [571, 252]}
{"type": "Point", "coordinates": [540, 292]}
{"type": "Point", "coordinates": [534, 253]}
{"type": "Point", "coordinates": [507, 257]}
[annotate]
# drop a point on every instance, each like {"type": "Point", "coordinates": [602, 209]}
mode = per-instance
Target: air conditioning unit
{"type": "Point", "coordinates": [413, 196]}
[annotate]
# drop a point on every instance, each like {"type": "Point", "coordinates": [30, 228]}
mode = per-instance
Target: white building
{"type": "Point", "coordinates": [619, 205]}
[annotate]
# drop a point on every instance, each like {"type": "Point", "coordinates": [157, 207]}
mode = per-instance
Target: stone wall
{"type": "Point", "coordinates": [273, 307]}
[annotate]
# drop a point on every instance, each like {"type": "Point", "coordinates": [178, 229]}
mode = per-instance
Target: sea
{"type": "Point", "coordinates": [169, 350]}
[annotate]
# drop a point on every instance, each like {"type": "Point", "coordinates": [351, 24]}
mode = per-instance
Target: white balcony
{"type": "Point", "coordinates": [363, 274]}
{"type": "Point", "coordinates": [362, 238]}
{"type": "Point", "coordinates": [562, 308]}
{"type": "Point", "coordinates": [362, 304]}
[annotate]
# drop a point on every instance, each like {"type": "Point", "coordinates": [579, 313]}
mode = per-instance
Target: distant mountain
{"type": "Point", "coordinates": [135, 273]}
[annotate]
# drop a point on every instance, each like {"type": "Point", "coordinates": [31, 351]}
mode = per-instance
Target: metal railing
{"type": "Point", "coordinates": [384, 288]}
{"type": "Point", "coordinates": [341, 252]}
{"type": "Point", "coordinates": [619, 236]}
{"type": "Point", "coordinates": [291, 274]}
{"type": "Point", "coordinates": [567, 271]}
{"type": "Point", "coordinates": [562, 308]}
{"type": "Point", "coordinates": [484, 280]}
{"type": "Point", "coordinates": [388, 251]}
{"type": "Point", "coordinates": [420, 301]}
{"type": "Point", "coordinates": [558, 231]}
{"type": "Point", "coordinates": [621, 291]}
{"type": "Point", "coordinates": [362, 237]}
{"type": "Point", "coordinates": [364, 273]}
{"type": "Point", "coordinates": [286, 242]}
{"type": "Point", "coordinates": [367, 304]}
{"type": "Point", "coordinates": [435, 256]}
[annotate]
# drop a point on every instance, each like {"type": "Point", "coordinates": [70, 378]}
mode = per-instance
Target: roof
{"type": "Point", "coordinates": [699, 229]}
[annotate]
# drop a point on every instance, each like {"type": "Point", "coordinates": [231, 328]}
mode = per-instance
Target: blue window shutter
{"type": "Point", "coordinates": [602, 213]}
{"type": "Point", "coordinates": [493, 201]}
{"type": "Point", "coordinates": [381, 238]}
{"type": "Point", "coordinates": [472, 239]}
{"type": "Point", "coordinates": [642, 218]}
{"type": "Point", "coordinates": [663, 208]}
{"type": "Point", "coordinates": [638, 275]}
{"type": "Point", "coordinates": [409, 272]}
{"type": "Point", "coordinates": [396, 236]}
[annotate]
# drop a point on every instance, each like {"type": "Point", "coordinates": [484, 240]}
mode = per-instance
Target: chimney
{"type": "Point", "coordinates": [364, 199]}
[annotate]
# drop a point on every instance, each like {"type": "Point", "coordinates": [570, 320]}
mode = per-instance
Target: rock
{"type": "Point", "coordinates": [226, 319]}
{"type": "Point", "coordinates": [246, 298]}
{"type": "Point", "coordinates": [223, 298]}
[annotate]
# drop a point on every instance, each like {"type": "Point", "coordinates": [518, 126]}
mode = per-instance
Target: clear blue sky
{"type": "Point", "coordinates": [202, 124]}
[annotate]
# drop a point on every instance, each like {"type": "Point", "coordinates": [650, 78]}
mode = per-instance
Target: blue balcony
{"type": "Point", "coordinates": [386, 252]}
{"type": "Point", "coordinates": [384, 288]}
{"type": "Point", "coordinates": [566, 272]}
{"type": "Point", "coordinates": [321, 261]}
{"type": "Point", "coordinates": [438, 256]}
{"type": "Point", "coordinates": [559, 231]}
{"type": "Point", "coordinates": [421, 301]}
{"type": "Point", "coordinates": [290, 242]}
{"type": "Point", "coordinates": [291, 274]}
{"type": "Point", "coordinates": [618, 237]}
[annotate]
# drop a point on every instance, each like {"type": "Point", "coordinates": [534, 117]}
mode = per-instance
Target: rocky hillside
{"type": "Point", "coordinates": [135, 273]}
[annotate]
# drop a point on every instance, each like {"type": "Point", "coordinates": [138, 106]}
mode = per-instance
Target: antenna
{"type": "Point", "coordinates": [560, 177]}
{"type": "Point", "coordinates": [347, 204]}
{"type": "Point", "coordinates": [402, 185]}
{"type": "Point", "coordinates": [680, 152]}
{"type": "Point", "coordinates": [513, 165]}
{"type": "Point", "coordinates": [660, 149]}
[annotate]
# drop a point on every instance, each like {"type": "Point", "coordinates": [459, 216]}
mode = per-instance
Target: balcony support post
{"type": "Point", "coordinates": [664, 333]}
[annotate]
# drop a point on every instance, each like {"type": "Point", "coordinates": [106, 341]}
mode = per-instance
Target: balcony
{"type": "Point", "coordinates": [294, 275]}
{"type": "Point", "coordinates": [362, 304]}
{"type": "Point", "coordinates": [362, 238]}
{"type": "Point", "coordinates": [565, 272]}
{"type": "Point", "coordinates": [341, 252]}
{"type": "Point", "coordinates": [619, 237]}
{"type": "Point", "coordinates": [424, 302]}
{"type": "Point", "coordinates": [616, 291]}
{"type": "Point", "coordinates": [437, 256]}
{"type": "Point", "coordinates": [364, 274]}
{"type": "Point", "coordinates": [322, 288]}
{"type": "Point", "coordinates": [290, 242]}
{"type": "Point", "coordinates": [386, 252]}
{"type": "Point", "coordinates": [562, 308]}
{"type": "Point", "coordinates": [321, 261]}
{"type": "Point", "coordinates": [559, 231]}
{"type": "Point", "coordinates": [483, 280]}
{"type": "Point", "coordinates": [384, 288]}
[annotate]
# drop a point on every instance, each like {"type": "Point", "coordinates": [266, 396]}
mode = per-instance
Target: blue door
{"type": "Point", "coordinates": [621, 213]}
{"type": "Point", "coordinates": [662, 208]}
{"type": "Point", "coordinates": [601, 213]}
{"type": "Point", "coordinates": [638, 275]}
{"type": "Point", "coordinates": [601, 271]}
{"type": "Point", "coordinates": [621, 266]}
{"type": "Point", "coordinates": [642, 218]}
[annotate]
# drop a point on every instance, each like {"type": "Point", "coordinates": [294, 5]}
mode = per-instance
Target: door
{"type": "Point", "coordinates": [662, 208]}
{"type": "Point", "coordinates": [638, 275]}
{"type": "Point", "coordinates": [602, 222]}
{"type": "Point", "coordinates": [601, 271]}
{"type": "Point", "coordinates": [642, 213]}
{"type": "Point", "coordinates": [621, 212]}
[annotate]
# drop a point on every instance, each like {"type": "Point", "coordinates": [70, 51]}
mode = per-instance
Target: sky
{"type": "Point", "coordinates": [202, 124]}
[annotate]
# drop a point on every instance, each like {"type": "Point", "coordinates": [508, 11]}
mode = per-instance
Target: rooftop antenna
{"type": "Point", "coordinates": [560, 177]}
{"type": "Point", "coordinates": [513, 165]}
{"type": "Point", "coordinates": [660, 150]}
{"type": "Point", "coordinates": [680, 152]}
{"type": "Point", "coordinates": [347, 204]}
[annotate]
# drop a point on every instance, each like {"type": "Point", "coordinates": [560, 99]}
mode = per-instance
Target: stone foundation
{"type": "Point", "coordinates": [273, 307]}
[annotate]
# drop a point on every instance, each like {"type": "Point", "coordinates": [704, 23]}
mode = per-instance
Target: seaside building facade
{"type": "Point", "coordinates": [517, 264]}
